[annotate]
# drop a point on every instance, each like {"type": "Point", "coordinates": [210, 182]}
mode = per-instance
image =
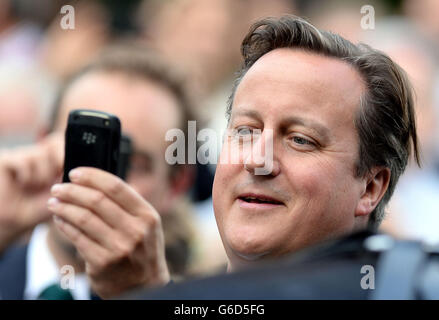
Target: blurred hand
{"type": "Point", "coordinates": [26, 175]}
{"type": "Point", "coordinates": [117, 233]}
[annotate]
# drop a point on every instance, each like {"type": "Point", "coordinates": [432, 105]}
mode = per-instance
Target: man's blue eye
{"type": "Point", "coordinates": [244, 131]}
{"type": "Point", "coordinates": [301, 141]}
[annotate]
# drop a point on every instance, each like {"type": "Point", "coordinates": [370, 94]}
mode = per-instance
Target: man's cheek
{"type": "Point", "coordinates": [320, 189]}
{"type": "Point", "coordinates": [323, 171]}
{"type": "Point", "coordinates": [222, 187]}
{"type": "Point", "coordinates": [224, 174]}
{"type": "Point", "coordinates": [311, 180]}
{"type": "Point", "coordinates": [219, 185]}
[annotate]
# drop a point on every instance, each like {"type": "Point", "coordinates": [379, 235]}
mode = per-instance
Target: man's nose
{"type": "Point", "coordinates": [260, 158]}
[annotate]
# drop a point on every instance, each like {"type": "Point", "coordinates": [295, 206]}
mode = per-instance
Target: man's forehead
{"type": "Point", "coordinates": [302, 79]}
{"type": "Point", "coordinates": [294, 57]}
{"type": "Point", "coordinates": [134, 101]}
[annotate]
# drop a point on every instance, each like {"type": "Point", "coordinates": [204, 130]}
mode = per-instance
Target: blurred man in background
{"type": "Point", "coordinates": [149, 101]}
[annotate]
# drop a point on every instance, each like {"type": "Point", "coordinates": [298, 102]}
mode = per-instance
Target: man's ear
{"type": "Point", "coordinates": [376, 184]}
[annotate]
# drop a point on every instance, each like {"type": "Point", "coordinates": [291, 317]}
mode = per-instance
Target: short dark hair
{"type": "Point", "coordinates": [385, 121]}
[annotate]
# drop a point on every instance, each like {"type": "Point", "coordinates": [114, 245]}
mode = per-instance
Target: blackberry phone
{"type": "Point", "coordinates": [92, 139]}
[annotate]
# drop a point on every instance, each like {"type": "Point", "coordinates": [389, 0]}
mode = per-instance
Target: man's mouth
{"type": "Point", "coordinates": [251, 200]}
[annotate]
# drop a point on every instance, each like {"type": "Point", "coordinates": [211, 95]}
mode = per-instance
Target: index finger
{"type": "Point", "coordinates": [112, 186]}
{"type": "Point", "coordinates": [55, 144]}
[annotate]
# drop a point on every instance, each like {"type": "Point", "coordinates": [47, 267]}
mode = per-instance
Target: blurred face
{"type": "Point", "coordinates": [311, 193]}
{"type": "Point", "coordinates": [146, 111]}
{"type": "Point", "coordinates": [193, 33]}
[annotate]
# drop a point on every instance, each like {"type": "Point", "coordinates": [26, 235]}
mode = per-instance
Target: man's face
{"type": "Point", "coordinates": [308, 102]}
{"type": "Point", "coordinates": [146, 111]}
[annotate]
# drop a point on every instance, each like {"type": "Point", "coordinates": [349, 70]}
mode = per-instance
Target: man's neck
{"type": "Point", "coordinates": [61, 254]}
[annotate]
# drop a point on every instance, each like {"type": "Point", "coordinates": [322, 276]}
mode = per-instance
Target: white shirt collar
{"type": "Point", "coordinates": [43, 271]}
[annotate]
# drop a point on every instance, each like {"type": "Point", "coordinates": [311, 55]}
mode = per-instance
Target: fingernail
{"type": "Point", "coordinates": [74, 174]}
{"type": "Point", "coordinates": [57, 219]}
{"type": "Point", "coordinates": [55, 189]}
{"type": "Point", "coordinates": [52, 202]}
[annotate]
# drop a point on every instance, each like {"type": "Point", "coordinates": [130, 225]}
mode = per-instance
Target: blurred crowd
{"type": "Point", "coordinates": [200, 41]}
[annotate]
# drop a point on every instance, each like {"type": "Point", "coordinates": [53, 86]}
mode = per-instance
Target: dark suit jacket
{"type": "Point", "coordinates": [13, 273]}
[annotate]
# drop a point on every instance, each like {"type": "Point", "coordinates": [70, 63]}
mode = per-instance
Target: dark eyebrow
{"type": "Point", "coordinates": [309, 123]}
{"type": "Point", "coordinates": [247, 113]}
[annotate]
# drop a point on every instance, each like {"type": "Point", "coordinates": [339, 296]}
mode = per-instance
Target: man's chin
{"type": "Point", "coordinates": [251, 256]}
{"type": "Point", "coordinates": [248, 251]}
{"type": "Point", "coordinates": [244, 259]}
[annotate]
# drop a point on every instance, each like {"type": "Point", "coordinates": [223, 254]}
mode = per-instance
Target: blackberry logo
{"type": "Point", "coordinates": [89, 138]}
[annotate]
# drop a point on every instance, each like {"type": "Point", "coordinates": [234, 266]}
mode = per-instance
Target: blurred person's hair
{"type": "Point", "coordinates": [138, 62]}
{"type": "Point", "coordinates": [385, 121]}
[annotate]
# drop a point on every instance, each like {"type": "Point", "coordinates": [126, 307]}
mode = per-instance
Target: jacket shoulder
{"type": "Point", "coordinates": [13, 273]}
